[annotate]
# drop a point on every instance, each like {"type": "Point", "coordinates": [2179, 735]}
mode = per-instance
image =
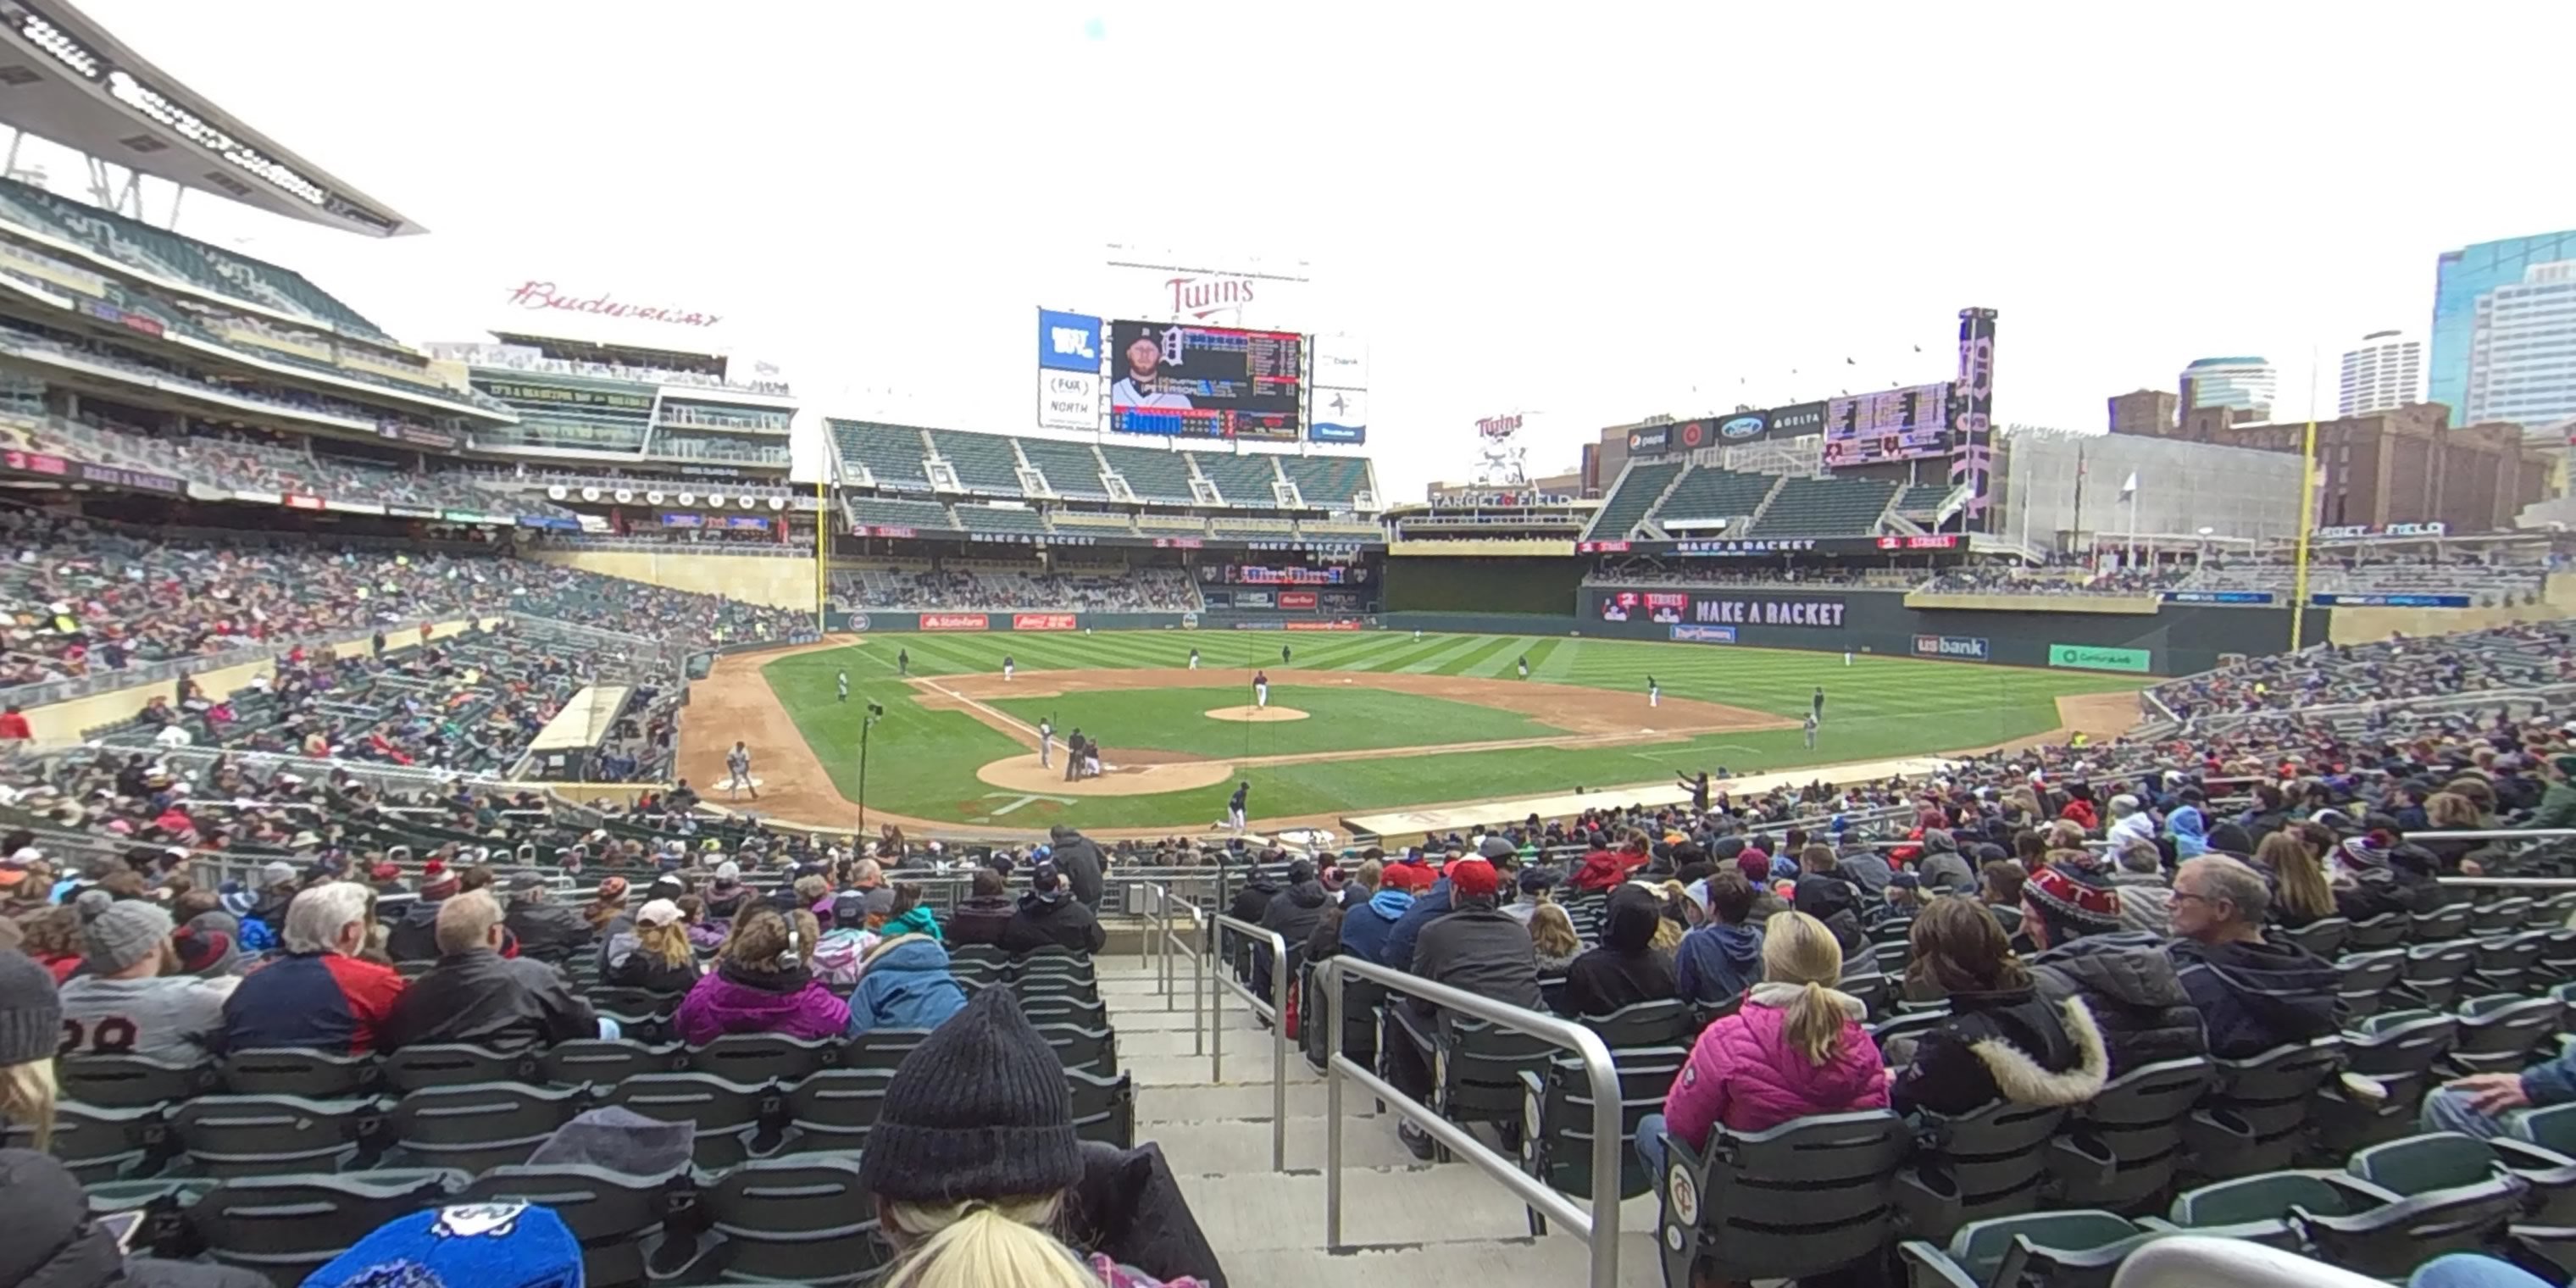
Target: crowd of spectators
{"type": "Point", "coordinates": [2502, 660]}
{"type": "Point", "coordinates": [2013, 579]}
{"type": "Point", "coordinates": [82, 598]}
{"type": "Point", "coordinates": [1722, 572]}
{"type": "Point", "coordinates": [247, 460]}
{"type": "Point", "coordinates": [355, 948]}
{"type": "Point", "coordinates": [1163, 590]}
{"type": "Point", "coordinates": [19, 337]}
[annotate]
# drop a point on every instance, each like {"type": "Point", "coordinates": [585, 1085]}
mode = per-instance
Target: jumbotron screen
{"type": "Point", "coordinates": [1204, 381]}
{"type": "Point", "coordinates": [1894, 425]}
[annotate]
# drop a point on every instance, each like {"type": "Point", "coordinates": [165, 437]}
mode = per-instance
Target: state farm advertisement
{"type": "Point", "coordinates": [1296, 599]}
{"type": "Point", "coordinates": [1042, 622]}
{"type": "Point", "coordinates": [955, 622]}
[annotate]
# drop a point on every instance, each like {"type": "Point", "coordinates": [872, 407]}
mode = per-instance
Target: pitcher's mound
{"type": "Point", "coordinates": [1117, 777]}
{"type": "Point", "coordinates": [1256, 715]}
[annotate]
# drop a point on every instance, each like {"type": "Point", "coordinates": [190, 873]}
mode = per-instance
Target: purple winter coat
{"type": "Point", "coordinates": [733, 1000]}
{"type": "Point", "coordinates": [1743, 1072]}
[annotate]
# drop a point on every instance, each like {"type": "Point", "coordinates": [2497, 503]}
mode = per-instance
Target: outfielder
{"type": "Point", "coordinates": [903, 661]}
{"type": "Point", "coordinates": [843, 680]}
{"type": "Point", "coordinates": [738, 772]}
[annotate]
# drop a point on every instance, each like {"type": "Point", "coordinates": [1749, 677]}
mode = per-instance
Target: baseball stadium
{"type": "Point", "coordinates": [578, 799]}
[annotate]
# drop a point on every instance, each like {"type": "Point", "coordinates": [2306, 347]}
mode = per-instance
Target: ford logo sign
{"type": "Point", "coordinates": [1741, 427]}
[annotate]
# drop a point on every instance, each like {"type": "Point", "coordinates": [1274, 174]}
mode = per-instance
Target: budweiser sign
{"type": "Point", "coordinates": [544, 295]}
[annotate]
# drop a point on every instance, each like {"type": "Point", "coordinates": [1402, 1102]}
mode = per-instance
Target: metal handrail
{"type": "Point", "coordinates": [1277, 1014]}
{"type": "Point", "coordinates": [1599, 1227]}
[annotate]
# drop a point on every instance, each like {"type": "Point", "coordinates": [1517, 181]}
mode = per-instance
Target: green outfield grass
{"type": "Point", "coordinates": [1338, 719]}
{"type": "Point", "coordinates": [923, 762]}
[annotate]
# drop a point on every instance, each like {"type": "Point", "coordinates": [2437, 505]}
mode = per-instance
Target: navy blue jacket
{"type": "Point", "coordinates": [1429, 907]}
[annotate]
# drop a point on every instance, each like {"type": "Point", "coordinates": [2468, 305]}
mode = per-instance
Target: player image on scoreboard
{"type": "Point", "coordinates": [1205, 382]}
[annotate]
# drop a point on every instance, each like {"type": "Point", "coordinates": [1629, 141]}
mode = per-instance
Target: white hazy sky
{"type": "Point", "coordinates": [1586, 213]}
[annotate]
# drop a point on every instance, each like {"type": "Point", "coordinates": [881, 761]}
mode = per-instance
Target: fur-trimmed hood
{"type": "Point", "coordinates": [2025, 1079]}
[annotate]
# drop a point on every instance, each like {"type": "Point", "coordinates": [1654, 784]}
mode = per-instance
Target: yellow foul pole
{"type": "Point", "coordinates": [2307, 524]}
{"type": "Point", "coordinates": [822, 551]}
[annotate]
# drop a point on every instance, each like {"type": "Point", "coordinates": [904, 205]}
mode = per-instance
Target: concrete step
{"type": "Point", "coordinates": [1499, 1263]}
{"type": "Point", "coordinates": [1230, 1146]}
{"type": "Point", "coordinates": [1446, 1203]}
{"type": "Point", "coordinates": [1200, 1101]}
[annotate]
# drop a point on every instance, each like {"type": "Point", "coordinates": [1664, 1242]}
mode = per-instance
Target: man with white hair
{"type": "Point", "coordinates": [476, 996]}
{"type": "Point", "coordinates": [318, 996]}
{"type": "Point", "coordinates": [2129, 820]}
{"type": "Point", "coordinates": [2252, 994]}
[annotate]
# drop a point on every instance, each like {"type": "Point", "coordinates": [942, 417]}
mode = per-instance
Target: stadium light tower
{"type": "Point", "coordinates": [876, 712]}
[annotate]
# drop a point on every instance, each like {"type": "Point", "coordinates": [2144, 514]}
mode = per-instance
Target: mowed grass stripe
{"type": "Point", "coordinates": [1432, 658]}
{"type": "Point", "coordinates": [1405, 655]}
{"type": "Point", "coordinates": [1506, 661]}
{"type": "Point", "coordinates": [1366, 654]}
{"type": "Point", "coordinates": [1487, 648]}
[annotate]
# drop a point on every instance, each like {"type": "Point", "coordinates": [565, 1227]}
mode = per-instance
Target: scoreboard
{"type": "Point", "coordinates": [1205, 381]}
{"type": "Point", "coordinates": [1894, 425]}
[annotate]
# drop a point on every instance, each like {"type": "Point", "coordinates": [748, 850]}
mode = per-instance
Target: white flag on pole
{"type": "Point", "coordinates": [2129, 490]}
{"type": "Point", "coordinates": [1956, 501]}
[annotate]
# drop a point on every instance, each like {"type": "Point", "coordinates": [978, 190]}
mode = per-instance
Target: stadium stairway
{"type": "Point", "coordinates": [1410, 1224]}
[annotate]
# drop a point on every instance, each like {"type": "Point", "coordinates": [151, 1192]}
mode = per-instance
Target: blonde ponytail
{"type": "Point", "coordinates": [1815, 1024]}
{"type": "Point", "coordinates": [27, 1095]}
{"type": "Point", "coordinates": [999, 1244]}
{"type": "Point", "coordinates": [1799, 952]}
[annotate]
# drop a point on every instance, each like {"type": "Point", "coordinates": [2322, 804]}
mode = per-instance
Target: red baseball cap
{"type": "Point", "coordinates": [1473, 878]}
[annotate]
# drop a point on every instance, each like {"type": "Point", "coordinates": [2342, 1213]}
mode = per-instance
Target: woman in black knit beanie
{"type": "Point", "coordinates": [972, 1157]}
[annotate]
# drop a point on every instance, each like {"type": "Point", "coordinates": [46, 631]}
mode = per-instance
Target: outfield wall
{"type": "Point", "coordinates": [776, 581]}
{"type": "Point", "coordinates": [1434, 584]}
{"type": "Point", "coordinates": [2179, 639]}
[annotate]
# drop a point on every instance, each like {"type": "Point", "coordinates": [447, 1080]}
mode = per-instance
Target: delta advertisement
{"type": "Point", "coordinates": [955, 622]}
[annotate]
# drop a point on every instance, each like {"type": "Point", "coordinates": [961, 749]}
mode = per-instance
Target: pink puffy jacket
{"type": "Point", "coordinates": [1744, 1073]}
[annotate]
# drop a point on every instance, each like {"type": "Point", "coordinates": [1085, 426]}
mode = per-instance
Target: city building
{"type": "Point", "coordinates": [2401, 465]}
{"type": "Point", "coordinates": [2522, 349]}
{"type": "Point", "coordinates": [2240, 384]}
{"type": "Point", "coordinates": [2145, 412]}
{"type": "Point", "coordinates": [2386, 370]}
{"type": "Point", "coordinates": [2460, 279]}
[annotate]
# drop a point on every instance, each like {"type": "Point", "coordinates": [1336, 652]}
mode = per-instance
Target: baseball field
{"type": "Point", "coordinates": [1353, 722]}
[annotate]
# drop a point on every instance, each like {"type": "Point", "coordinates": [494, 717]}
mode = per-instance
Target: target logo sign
{"type": "Point", "coordinates": [1694, 435]}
